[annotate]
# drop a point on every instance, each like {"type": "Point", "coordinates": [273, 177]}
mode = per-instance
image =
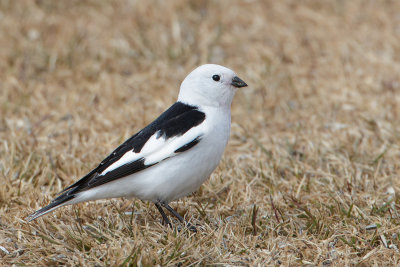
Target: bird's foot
{"type": "Point", "coordinates": [165, 221]}
{"type": "Point", "coordinates": [188, 225]}
{"type": "Point", "coordinates": [191, 227]}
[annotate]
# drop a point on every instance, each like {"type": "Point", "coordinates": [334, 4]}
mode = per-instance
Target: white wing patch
{"type": "Point", "coordinates": [129, 156]}
{"type": "Point", "coordinates": [156, 149]}
{"type": "Point", "coordinates": [169, 146]}
{"type": "Point", "coordinates": [155, 143]}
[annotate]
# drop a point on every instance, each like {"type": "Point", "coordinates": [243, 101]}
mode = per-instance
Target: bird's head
{"type": "Point", "coordinates": [210, 85]}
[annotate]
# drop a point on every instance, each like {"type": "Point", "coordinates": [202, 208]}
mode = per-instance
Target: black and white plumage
{"type": "Point", "coordinates": [172, 156]}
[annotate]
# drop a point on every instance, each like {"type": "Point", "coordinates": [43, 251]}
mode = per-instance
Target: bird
{"type": "Point", "coordinates": [172, 156]}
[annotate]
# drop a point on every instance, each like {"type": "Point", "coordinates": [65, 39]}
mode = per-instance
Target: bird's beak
{"type": "Point", "coordinates": [237, 82]}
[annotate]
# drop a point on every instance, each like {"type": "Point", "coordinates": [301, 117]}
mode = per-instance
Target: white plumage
{"type": "Point", "coordinates": [171, 157]}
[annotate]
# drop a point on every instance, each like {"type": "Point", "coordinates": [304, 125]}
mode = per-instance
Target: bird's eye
{"type": "Point", "coordinates": [216, 78]}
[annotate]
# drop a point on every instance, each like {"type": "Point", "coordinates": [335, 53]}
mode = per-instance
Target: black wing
{"type": "Point", "coordinates": [175, 121]}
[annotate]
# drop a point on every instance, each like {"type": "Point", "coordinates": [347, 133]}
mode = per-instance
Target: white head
{"type": "Point", "coordinates": [210, 85]}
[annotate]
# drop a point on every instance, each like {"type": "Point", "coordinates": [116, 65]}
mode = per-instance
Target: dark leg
{"type": "Point", "coordinates": [180, 218]}
{"type": "Point", "coordinates": [165, 217]}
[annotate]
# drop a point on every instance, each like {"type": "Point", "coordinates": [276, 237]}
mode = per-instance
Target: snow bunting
{"type": "Point", "coordinates": [172, 156]}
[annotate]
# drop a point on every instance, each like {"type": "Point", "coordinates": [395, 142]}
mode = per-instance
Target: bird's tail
{"type": "Point", "coordinates": [60, 201]}
{"type": "Point", "coordinates": [65, 197]}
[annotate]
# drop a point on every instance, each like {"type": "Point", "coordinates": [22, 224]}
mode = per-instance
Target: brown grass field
{"type": "Point", "coordinates": [311, 174]}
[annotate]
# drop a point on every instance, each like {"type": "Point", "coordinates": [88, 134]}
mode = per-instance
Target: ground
{"type": "Point", "coordinates": [311, 172]}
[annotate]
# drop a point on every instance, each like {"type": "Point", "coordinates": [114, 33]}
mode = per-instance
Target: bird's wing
{"type": "Point", "coordinates": [174, 132]}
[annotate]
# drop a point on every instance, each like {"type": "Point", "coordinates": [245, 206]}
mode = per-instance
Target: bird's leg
{"type": "Point", "coordinates": [180, 218]}
{"type": "Point", "coordinates": [165, 217]}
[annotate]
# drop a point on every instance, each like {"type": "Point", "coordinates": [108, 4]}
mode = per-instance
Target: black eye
{"type": "Point", "coordinates": [216, 78]}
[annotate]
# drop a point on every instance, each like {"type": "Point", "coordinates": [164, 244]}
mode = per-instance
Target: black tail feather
{"type": "Point", "coordinates": [64, 196]}
{"type": "Point", "coordinates": [56, 203]}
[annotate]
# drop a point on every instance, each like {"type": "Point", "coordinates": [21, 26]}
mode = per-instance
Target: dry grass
{"type": "Point", "coordinates": [311, 173]}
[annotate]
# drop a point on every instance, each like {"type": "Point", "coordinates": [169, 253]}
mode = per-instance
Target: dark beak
{"type": "Point", "coordinates": [237, 82]}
